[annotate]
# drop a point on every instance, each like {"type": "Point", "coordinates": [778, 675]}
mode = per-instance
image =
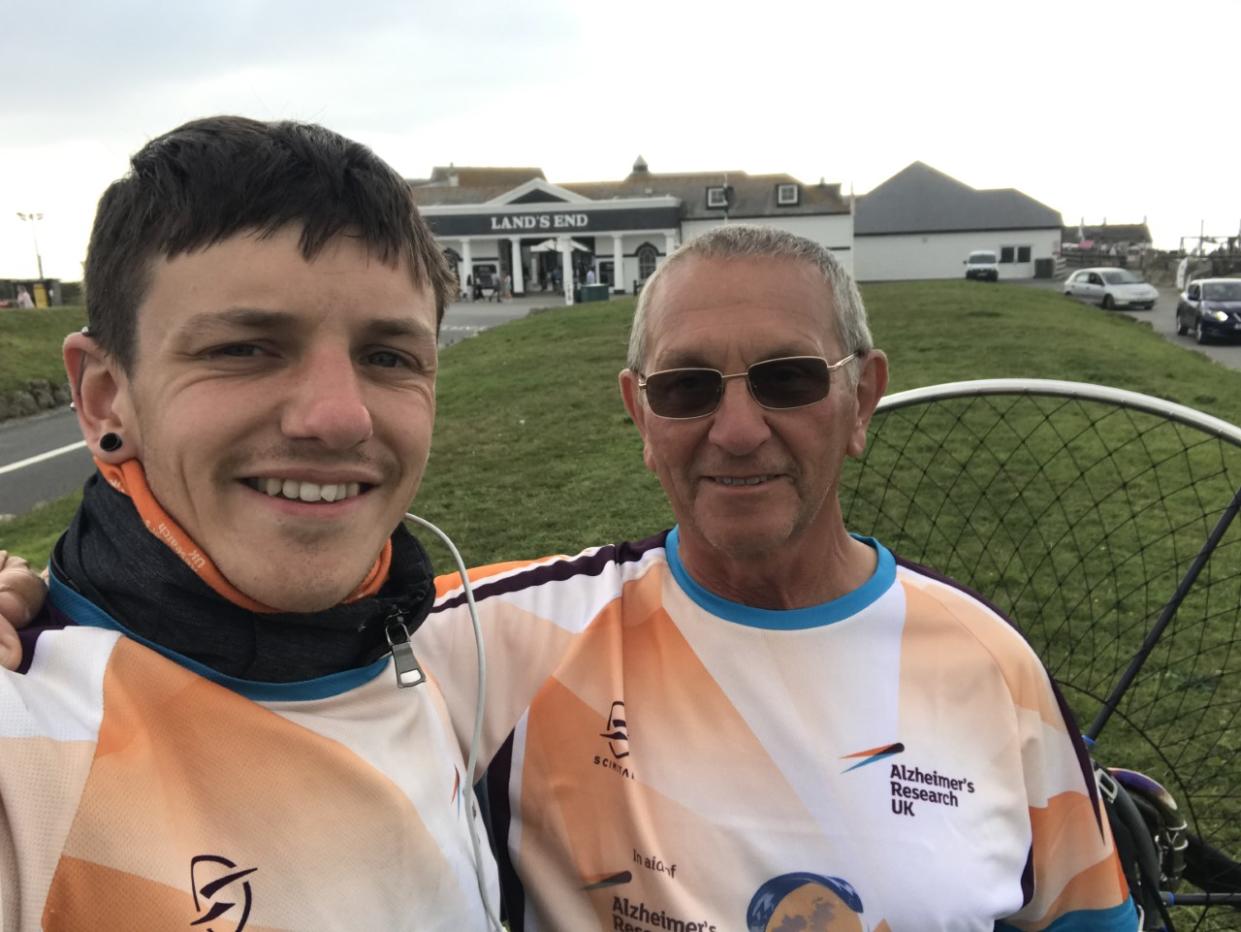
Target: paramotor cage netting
{"type": "Point", "coordinates": [1100, 522]}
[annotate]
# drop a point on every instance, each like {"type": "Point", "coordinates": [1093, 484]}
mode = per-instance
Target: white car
{"type": "Point", "coordinates": [981, 264]}
{"type": "Point", "coordinates": [1111, 288]}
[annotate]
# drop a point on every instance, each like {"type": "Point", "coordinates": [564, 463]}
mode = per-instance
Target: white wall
{"type": "Point", "coordinates": [942, 255]}
{"type": "Point", "coordinates": [831, 230]}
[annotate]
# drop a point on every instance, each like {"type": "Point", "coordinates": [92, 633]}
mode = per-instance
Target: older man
{"type": "Point", "coordinates": [757, 720]}
{"type": "Point", "coordinates": [205, 732]}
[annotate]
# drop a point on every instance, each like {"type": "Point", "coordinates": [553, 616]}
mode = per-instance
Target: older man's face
{"type": "Point", "coordinates": [747, 481]}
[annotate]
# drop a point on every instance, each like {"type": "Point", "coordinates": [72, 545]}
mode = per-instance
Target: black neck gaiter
{"type": "Point", "coordinates": [109, 556]}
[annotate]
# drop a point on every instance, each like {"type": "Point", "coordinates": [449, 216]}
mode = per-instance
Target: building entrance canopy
{"type": "Point", "coordinates": [551, 245]}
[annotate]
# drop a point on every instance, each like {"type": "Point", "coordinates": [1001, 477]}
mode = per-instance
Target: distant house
{"type": "Point", "coordinates": [497, 221]}
{"type": "Point", "coordinates": [1119, 237]}
{"type": "Point", "coordinates": [921, 223]}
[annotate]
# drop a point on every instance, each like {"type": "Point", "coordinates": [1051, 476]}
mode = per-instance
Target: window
{"type": "Point", "coordinates": [1193, 293]}
{"type": "Point", "coordinates": [717, 196]}
{"type": "Point", "coordinates": [787, 195]}
{"type": "Point", "coordinates": [646, 261]}
{"type": "Point", "coordinates": [1023, 253]}
{"type": "Point", "coordinates": [1222, 291]}
{"type": "Point", "coordinates": [1006, 253]}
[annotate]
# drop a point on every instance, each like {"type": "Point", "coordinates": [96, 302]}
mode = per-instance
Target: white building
{"type": "Point", "coordinates": [511, 221]}
{"type": "Point", "coordinates": [921, 223]}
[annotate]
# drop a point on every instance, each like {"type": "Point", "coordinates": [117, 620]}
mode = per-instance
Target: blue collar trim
{"type": "Point", "coordinates": [813, 616]}
{"type": "Point", "coordinates": [85, 612]}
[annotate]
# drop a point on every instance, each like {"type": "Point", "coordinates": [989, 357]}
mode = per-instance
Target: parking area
{"type": "Point", "coordinates": [1162, 319]}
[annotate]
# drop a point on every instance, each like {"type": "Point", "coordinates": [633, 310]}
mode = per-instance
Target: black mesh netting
{"type": "Point", "coordinates": [1080, 519]}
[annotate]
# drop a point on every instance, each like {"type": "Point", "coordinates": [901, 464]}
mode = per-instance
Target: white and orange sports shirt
{"type": "Point", "coordinates": [664, 759]}
{"type": "Point", "coordinates": [138, 791]}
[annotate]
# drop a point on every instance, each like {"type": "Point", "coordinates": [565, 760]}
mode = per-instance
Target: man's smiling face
{"type": "Point", "coordinates": [747, 481]}
{"type": "Point", "coordinates": [282, 408]}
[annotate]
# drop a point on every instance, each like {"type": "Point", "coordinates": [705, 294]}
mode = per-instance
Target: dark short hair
{"type": "Point", "coordinates": [216, 177]}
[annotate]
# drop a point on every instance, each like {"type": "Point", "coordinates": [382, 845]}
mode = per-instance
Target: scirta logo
{"type": "Point", "coordinates": [220, 888]}
{"type": "Point", "coordinates": [808, 903]}
{"type": "Point", "coordinates": [617, 731]}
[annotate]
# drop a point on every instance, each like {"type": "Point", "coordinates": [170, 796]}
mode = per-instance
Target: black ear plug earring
{"type": "Point", "coordinates": [110, 442]}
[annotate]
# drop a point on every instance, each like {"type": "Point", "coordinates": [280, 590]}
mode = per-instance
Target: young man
{"type": "Point", "coordinates": [205, 730]}
{"type": "Point", "coordinates": [757, 720]}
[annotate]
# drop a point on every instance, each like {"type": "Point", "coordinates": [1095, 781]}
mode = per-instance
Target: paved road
{"type": "Point", "coordinates": [41, 458]}
{"type": "Point", "coordinates": [465, 319]}
{"type": "Point", "coordinates": [1162, 319]}
{"type": "Point", "coordinates": [31, 469]}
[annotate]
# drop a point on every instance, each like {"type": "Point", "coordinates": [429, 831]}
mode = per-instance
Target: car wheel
{"type": "Point", "coordinates": [1108, 303]}
{"type": "Point", "coordinates": [1200, 335]}
{"type": "Point", "coordinates": [1181, 329]}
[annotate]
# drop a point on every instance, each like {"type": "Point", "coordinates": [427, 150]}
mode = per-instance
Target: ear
{"type": "Point", "coordinates": [872, 382]}
{"type": "Point", "coordinates": [628, 380]}
{"type": "Point", "coordinates": [101, 397]}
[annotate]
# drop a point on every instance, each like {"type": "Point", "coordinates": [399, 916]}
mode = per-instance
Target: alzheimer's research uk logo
{"type": "Point", "coordinates": [616, 731]}
{"type": "Point", "coordinates": [872, 755]}
{"type": "Point", "coordinates": [220, 891]}
{"type": "Point", "coordinates": [910, 784]}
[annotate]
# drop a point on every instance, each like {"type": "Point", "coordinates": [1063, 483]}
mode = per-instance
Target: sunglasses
{"type": "Point", "coordinates": [789, 382]}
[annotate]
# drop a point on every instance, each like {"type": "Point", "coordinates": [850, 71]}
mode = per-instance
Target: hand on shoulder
{"type": "Point", "coordinates": [22, 593]}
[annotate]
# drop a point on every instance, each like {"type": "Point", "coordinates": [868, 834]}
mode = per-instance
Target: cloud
{"type": "Point", "coordinates": [382, 60]}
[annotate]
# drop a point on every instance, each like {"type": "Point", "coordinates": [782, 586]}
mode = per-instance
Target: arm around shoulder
{"type": "Point", "coordinates": [22, 594]}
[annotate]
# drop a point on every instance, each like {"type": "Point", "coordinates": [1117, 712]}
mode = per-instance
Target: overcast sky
{"type": "Point", "coordinates": [1094, 115]}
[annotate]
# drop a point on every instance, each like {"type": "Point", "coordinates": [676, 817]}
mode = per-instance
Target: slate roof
{"type": "Point", "coordinates": [921, 199]}
{"type": "Point", "coordinates": [474, 184]}
{"type": "Point", "coordinates": [753, 195]}
{"type": "Point", "coordinates": [473, 176]}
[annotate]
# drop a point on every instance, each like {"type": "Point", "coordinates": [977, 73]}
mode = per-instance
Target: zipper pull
{"type": "Point", "coordinates": [408, 672]}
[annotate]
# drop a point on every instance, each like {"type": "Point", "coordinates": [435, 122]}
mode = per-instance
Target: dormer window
{"type": "Point", "coordinates": [717, 196]}
{"type": "Point", "coordinates": [787, 195]}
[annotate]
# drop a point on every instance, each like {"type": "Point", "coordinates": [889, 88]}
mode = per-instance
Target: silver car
{"type": "Point", "coordinates": [1110, 287]}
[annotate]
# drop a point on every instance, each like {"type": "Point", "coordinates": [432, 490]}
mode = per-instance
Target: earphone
{"type": "Point", "coordinates": [476, 737]}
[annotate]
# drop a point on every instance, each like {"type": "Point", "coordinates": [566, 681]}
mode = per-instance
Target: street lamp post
{"type": "Point", "coordinates": [34, 231]}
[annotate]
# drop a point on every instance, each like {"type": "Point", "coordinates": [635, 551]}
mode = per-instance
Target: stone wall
{"type": "Point", "coordinates": [38, 395]}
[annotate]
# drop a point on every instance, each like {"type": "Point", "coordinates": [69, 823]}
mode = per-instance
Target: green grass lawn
{"type": "Point", "coordinates": [534, 454]}
{"type": "Point", "coordinates": [30, 344]}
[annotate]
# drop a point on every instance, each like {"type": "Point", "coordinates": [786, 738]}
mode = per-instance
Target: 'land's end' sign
{"type": "Point", "coordinates": [541, 222]}
{"type": "Point", "coordinates": [584, 220]}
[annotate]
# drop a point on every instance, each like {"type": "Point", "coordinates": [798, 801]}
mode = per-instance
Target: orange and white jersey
{"type": "Point", "coordinates": [138, 793]}
{"type": "Point", "coordinates": [663, 759]}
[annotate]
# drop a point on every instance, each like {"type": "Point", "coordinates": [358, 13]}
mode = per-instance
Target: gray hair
{"type": "Point", "coordinates": [748, 241]}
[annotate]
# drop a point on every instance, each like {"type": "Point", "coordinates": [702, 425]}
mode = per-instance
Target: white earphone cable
{"type": "Point", "coordinates": [476, 738]}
